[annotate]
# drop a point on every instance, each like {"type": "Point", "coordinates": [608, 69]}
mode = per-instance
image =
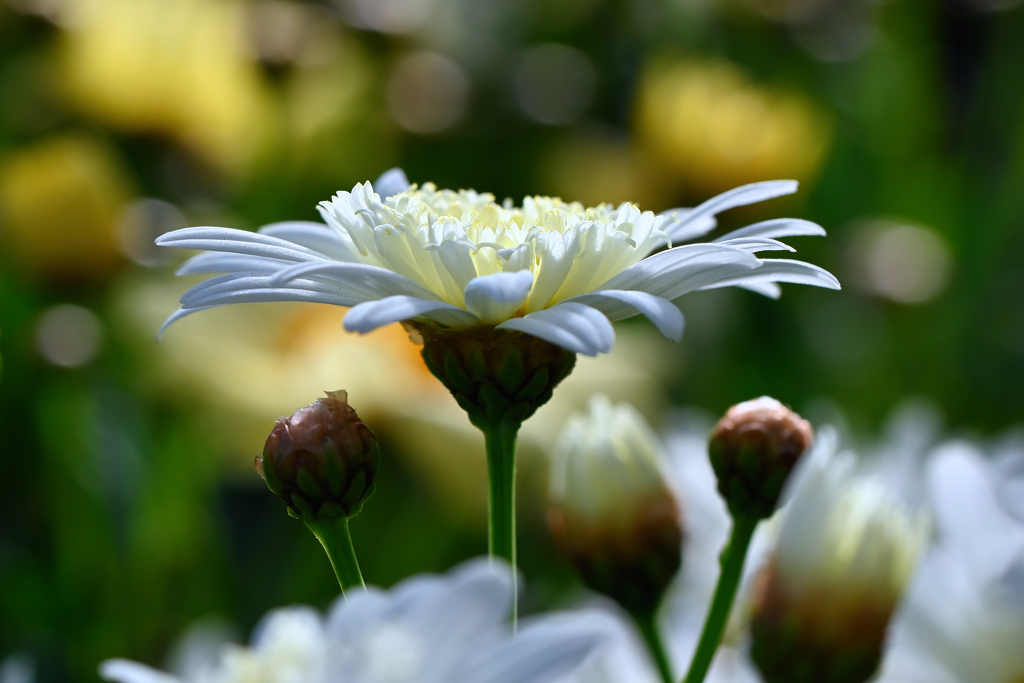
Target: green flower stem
{"type": "Point", "coordinates": [721, 605]}
{"type": "Point", "coordinates": [649, 629]}
{"type": "Point", "coordinates": [500, 437]}
{"type": "Point", "coordinates": [333, 534]}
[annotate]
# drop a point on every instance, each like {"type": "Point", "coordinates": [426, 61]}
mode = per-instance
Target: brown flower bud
{"type": "Point", "coordinates": [753, 449]}
{"type": "Point", "coordinates": [322, 460]}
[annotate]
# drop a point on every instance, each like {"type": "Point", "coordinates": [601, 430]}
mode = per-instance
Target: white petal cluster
{"type": "Point", "coordinates": [606, 463]}
{"type": "Point", "coordinates": [428, 629]}
{"type": "Point", "coordinates": [555, 270]}
{"type": "Point", "coordinates": [963, 620]}
{"type": "Point", "coordinates": [846, 533]}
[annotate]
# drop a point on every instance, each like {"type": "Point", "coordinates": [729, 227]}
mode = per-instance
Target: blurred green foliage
{"type": "Point", "coordinates": [124, 518]}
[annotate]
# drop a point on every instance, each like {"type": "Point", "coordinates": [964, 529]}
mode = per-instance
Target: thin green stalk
{"type": "Point", "coordinates": [649, 629]}
{"type": "Point", "coordinates": [721, 605]}
{"type": "Point", "coordinates": [334, 536]}
{"type": "Point", "coordinates": [501, 504]}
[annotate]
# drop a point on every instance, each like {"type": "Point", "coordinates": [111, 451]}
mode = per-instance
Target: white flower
{"type": "Point", "coordinates": [963, 620]}
{"type": "Point", "coordinates": [427, 629]}
{"type": "Point", "coordinates": [558, 271]}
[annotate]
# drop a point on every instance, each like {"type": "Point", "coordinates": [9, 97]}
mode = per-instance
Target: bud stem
{"type": "Point", "coordinates": [648, 626]}
{"type": "Point", "coordinates": [733, 556]}
{"type": "Point", "coordinates": [334, 536]}
{"type": "Point", "coordinates": [500, 437]}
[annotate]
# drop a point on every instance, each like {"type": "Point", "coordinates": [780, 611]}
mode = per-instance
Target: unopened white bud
{"type": "Point", "coordinates": [847, 549]}
{"type": "Point", "coordinates": [612, 511]}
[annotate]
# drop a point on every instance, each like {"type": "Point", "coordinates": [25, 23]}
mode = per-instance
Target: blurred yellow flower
{"type": "Point", "coordinates": [593, 168]}
{"type": "Point", "coordinates": [705, 123]}
{"type": "Point", "coordinates": [60, 201]}
{"type": "Point", "coordinates": [178, 67]}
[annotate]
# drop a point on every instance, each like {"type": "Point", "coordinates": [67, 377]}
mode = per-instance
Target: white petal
{"type": "Point", "coordinates": [178, 315]}
{"type": "Point", "coordinates": [316, 236]}
{"type": "Point", "coordinates": [967, 511]}
{"type": "Point", "coordinates": [391, 182]}
{"type": "Point", "coordinates": [571, 325]}
{"type": "Point", "coordinates": [370, 315]}
{"type": "Point", "coordinates": [674, 272]}
{"type": "Point", "coordinates": [739, 196]}
{"type": "Point", "coordinates": [557, 253]}
{"type": "Point", "coordinates": [377, 282]}
{"type": "Point", "coordinates": [126, 671]}
{"type": "Point", "coordinates": [768, 289]}
{"type": "Point", "coordinates": [781, 270]}
{"type": "Point", "coordinates": [618, 304]}
{"type": "Point", "coordinates": [237, 282]}
{"type": "Point", "coordinates": [756, 244]}
{"type": "Point", "coordinates": [237, 242]}
{"type": "Point", "coordinates": [545, 650]}
{"type": "Point", "coordinates": [777, 227]}
{"type": "Point", "coordinates": [219, 262]}
{"type": "Point", "coordinates": [494, 298]}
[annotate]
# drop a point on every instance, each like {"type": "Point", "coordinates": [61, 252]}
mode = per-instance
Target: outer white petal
{"type": "Point", "coordinates": [237, 242]}
{"type": "Point", "coordinates": [219, 262]}
{"type": "Point", "coordinates": [781, 270]}
{"type": "Point", "coordinates": [494, 298]}
{"type": "Point", "coordinates": [126, 671]}
{"type": "Point", "coordinates": [618, 304]}
{"type": "Point", "coordinates": [370, 315]}
{"type": "Point", "coordinates": [375, 281]}
{"type": "Point", "coordinates": [968, 513]}
{"type": "Point", "coordinates": [664, 268]}
{"type": "Point", "coordinates": [178, 315]}
{"type": "Point", "coordinates": [777, 227]}
{"type": "Point", "coordinates": [545, 650]}
{"type": "Point", "coordinates": [768, 289]}
{"type": "Point", "coordinates": [571, 325]}
{"type": "Point", "coordinates": [756, 244]}
{"type": "Point", "coordinates": [233, 283]}
{"type": "Point", "coordinates": [391, 182]}
{"type": "Point", "coordinates": [739, 196]}
{"type": "Point", "coordinates": [316, 236]}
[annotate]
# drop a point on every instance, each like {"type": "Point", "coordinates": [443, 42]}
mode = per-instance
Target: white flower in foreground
{"type": "Point", "coordinates": [963, 620]}
{"type": "Point", "coordinates": [847, 549]}
{"type": "Point", "coordinates": [554, 270]}
{"type": "Point", "coordinates": [427, 629]}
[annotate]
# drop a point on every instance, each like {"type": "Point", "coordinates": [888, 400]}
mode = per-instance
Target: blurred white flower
{"type": "Point", "coordinates": [848, 546]}
{"type": "Point", "coordinates": [963, 620]}
{"type": "Point", "coordinates": [427, 629]}
{"type": "Point", "coordinates": [554, 270]}
{"type": "Point", "coordinates": [842, 556]}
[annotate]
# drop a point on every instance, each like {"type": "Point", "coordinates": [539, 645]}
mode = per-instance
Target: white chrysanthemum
{"type": "Point", "coordinates": [555, 270]}
{"type": "Point", "coordinates": [963, 620]}
{"type": "Point", "coordinates": [428, 629]}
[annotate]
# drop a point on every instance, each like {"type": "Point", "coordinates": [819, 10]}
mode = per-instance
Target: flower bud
{"type": "Point", "coordinates": [753, 449]}
{"type": "Point", "coordinates": [612, 512]}
{"type": "Point", "coordinates": [322, 460]}
{"type": "Point", "coordinates": [846, 551]}
{"type": "Point", "coordinates": [494, 374]}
